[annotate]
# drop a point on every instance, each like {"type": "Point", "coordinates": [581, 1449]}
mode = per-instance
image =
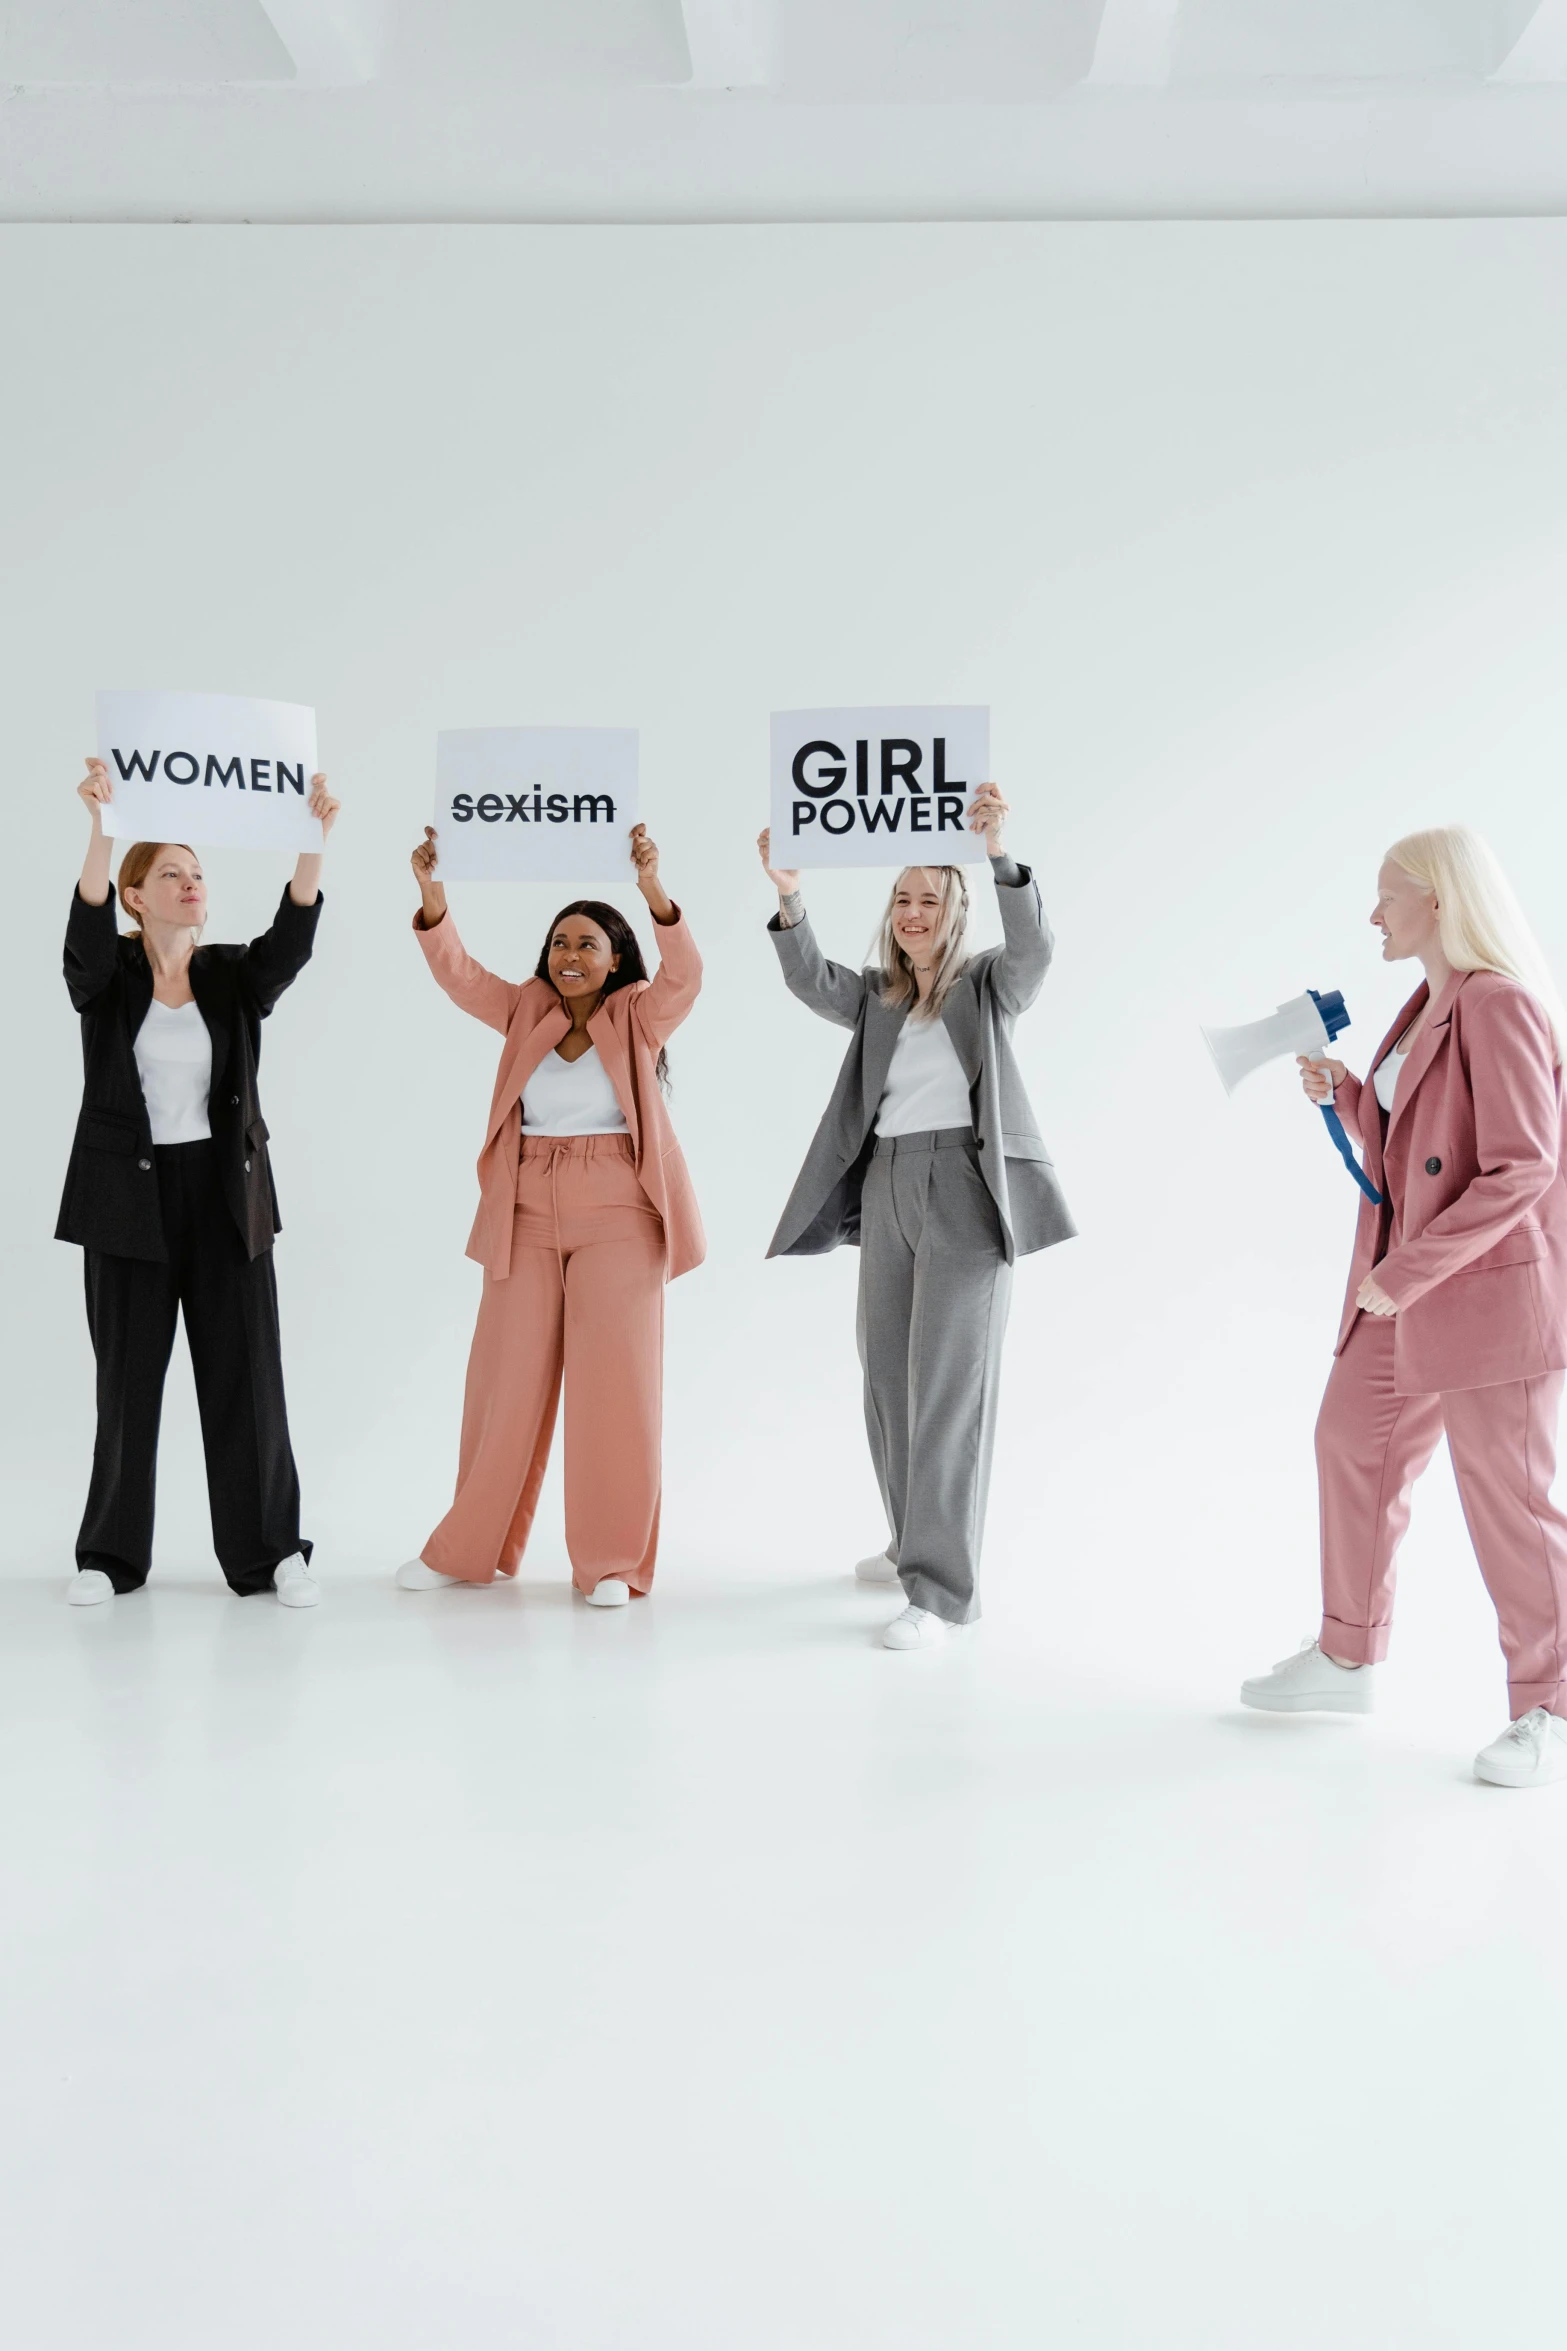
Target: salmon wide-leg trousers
{"type": "Point", "coordinates": [583, 1303]}
{"type": "Point", "coordinates": [1372, 1444]}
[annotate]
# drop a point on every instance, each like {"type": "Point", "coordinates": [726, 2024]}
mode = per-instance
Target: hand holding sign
{"type": "Point", "coordinates": [784, 878]}
{"type": "Point", "coordinates": [987, 813]}
{"type": "Point", "coordinates": [644, 856]}
{"type": "Point", "coordinates": [432, 894]}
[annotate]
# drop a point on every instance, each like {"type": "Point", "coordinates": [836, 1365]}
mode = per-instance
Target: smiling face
{"type": "Point", "coordinates": [918, 924]}
{"type": "Point", "coordinates": [171, 891]}
{"type": "Point", "coordinates": [580, 958]}
{"type": "Point", "coordinates": [1405, 913]}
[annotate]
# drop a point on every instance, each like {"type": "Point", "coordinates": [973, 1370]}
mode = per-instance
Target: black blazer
{"type": "Point", "coordinates": [111, 1188]}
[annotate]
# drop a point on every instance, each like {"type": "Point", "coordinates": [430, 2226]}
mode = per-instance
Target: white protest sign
{"type": "Point", "coordinates": [212, 768]}
{"type": "Point", "coordinates": [519, 804]}
{"type": "Point", "coordinates": [877, 787]}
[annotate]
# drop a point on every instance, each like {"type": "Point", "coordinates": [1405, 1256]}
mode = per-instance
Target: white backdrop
{"type": "Point", "coordinates": [1250, 536]}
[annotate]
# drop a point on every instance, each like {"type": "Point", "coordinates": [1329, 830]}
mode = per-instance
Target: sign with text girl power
{"type": "Point", "coordinates": [877, 787]}
{"type": "Point", "coordinates": [209, 768]}
{"type": "Point", "coordinates": [521, 804]}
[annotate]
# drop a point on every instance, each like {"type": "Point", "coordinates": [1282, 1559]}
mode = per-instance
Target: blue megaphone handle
{"type": "Point", "coordinates": [1343, 1146]}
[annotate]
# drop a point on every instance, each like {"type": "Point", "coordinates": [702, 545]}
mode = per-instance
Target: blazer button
{"type": "Point", "coordinates": [247, 1167]}
{"type": "Point", "coordinates": [979, 1142]}
{"type": "Point", "coordinates": [1433, 1167]}
{"type": "Point", "coordinates": [233, 1102]}
{"type": "Point", "coordinates": [144, 1165]}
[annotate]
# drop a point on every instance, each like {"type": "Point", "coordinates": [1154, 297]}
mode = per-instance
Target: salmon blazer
{"type": "Point", "coordinates": [1471, 1241]}
{"type": "Point", "coordinates": [628, 1029]}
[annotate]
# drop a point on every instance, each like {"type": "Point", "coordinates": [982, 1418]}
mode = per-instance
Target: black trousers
{"type": "Point", "coordinates": [231, 1325]}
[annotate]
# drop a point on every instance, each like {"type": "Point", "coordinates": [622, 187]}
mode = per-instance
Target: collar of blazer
{"type": "Point", "coordinates": [1433, 1035]}
{"type": "Point", "coordinates": [209, 998]}
{"type": "Point", "coordinates": [538, 1025]}
{"type": "Point", "coordinates": [884, 1026]}
{"type": "Point", "coordinates": [204, 986]}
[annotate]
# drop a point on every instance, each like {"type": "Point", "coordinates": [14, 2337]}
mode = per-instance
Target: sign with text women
{"type": "Point", "coordinates": [213, 769]}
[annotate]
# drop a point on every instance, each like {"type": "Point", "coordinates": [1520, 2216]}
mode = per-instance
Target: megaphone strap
{"type": "Point", "coordinates": [1345, 1150]}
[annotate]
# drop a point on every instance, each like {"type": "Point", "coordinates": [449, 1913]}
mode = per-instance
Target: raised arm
{"type": "Point", "coordinates": [305, 887]}
{"type": "Point", "coordinates": [92, 945]}
{"type": "Point", "coordinates": [1018, 972]}
{"type": "Point", "coordinates": [473, 989]}
{"type": "Point", "coordinates": [274, 960]}
{"type": "Point", "coordinates": [831, 990]}
{"type": "Point", "coordinates": [669, 995]}
{"type": "Point", "coordinates": [95, 791]}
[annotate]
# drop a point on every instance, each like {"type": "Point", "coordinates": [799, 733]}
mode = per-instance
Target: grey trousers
{"type": "Point", "coordinates": [934, 1291]}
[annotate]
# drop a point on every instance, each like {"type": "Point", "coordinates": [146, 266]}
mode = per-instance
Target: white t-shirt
{"type": "Point", "coordinates": [571, 1098]}
{"type": "Point", "coordinates": [174, 1061]}
{"type": "Point", "coordinates": [1385, 1077]}
{"type": "Point", "coordinates": [926, 1084]}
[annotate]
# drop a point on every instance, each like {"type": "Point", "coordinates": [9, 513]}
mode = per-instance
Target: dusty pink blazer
{"type": "Point", "coordinates": [1475, 1221]}
{"type": "Point", "coordinates": [628, 1028]}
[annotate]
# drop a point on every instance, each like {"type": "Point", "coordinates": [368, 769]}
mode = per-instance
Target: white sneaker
{"type": "Point", "coordinates": [916, 1628]}
{"type": "Point", "coordinates": [414, 1576]}
{"type": "Point", "coordinates": [611, 1591]}
{"type": "Point", "coordinates": [1530, 1753]}
{"type": "Point", "coordinates": [880, 1568]}
{"type": "Point", "coordinates": [87, 1587]}
{"type": "Point", "coordinates": [294, 1584]}
{"type": "Point", "coordinates": [1309, 1683]}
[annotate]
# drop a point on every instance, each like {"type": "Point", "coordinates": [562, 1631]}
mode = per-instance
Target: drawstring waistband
{"type": "Point", "coordinates": [555, 1148]}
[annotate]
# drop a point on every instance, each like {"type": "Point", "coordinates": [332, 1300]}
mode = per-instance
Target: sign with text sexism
{"type": "Point", "coordinates": [209, 768]}
{"type": "Point", "coordinates": [518, 804]}
{"type": "Point", "coordinates": [877, 787]}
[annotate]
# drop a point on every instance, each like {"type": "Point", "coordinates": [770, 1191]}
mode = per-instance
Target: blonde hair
{"type": "Point", "coordinates": [137, 864]}
{"type": "Point", "coordinates": [898, 983]}
{"type": "Point", "coordinates": [1480, 924]}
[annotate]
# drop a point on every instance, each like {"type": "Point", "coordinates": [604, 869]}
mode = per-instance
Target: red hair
{"type": "Point", "coordinates": [138, 862]}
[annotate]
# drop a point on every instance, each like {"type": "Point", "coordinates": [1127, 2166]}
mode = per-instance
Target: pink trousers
{"type": "Point", "coordinates": [584, 1302]}
{"type": "Point", "coordinates": [1371, 1447]}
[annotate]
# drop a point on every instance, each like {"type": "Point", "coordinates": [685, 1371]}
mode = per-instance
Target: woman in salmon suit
{"type": "Point", "coordinates": [1456, 1314]}
{"type": "Point", "coordinates": [585, 1212]}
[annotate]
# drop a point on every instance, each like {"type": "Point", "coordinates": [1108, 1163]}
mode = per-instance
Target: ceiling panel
{"type": "Point", "coordinates": [591, 44]}
{"type": "Point", "coordinates": [1345, 40]}
{"type": "Point", "coordinates": [135, 43]}
{"type": "Point", "coordinates": [1002, 50]}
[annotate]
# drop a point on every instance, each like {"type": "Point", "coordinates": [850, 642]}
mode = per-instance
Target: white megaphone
{"type": "Point", "coordinates": [1306, 1024]}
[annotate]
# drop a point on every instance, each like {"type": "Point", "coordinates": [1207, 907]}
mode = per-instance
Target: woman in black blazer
{"type": "Point", "coordinates": [169, 1193]}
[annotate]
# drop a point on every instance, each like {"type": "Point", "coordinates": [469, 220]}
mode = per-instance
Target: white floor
{"type": "Point", "coordinates": [478, 1969]}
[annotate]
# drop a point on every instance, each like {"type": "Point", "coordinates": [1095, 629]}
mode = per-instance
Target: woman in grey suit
{"type": "Point", "coordinates": [928, 1157]}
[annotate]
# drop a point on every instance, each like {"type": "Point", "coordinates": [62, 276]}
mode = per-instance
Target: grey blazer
{"type": "Point", "coordinates": [824, 1207]}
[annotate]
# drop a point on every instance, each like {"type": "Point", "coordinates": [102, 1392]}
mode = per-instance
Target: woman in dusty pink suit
{"type": "Point", "coordinates": [585, 1212]}
{"type": "Point", "coordinates": [1456, 1314]}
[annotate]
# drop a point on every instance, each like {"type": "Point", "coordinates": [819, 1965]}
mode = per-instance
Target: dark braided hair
{"type": "Point", "coordinates": [622, 943]}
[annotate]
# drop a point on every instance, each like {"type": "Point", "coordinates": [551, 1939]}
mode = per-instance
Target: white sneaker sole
{"type": "Point", "coordinates": [1498, 1776]}
{"type": "Point", "coordinates": [1304, 1701]}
